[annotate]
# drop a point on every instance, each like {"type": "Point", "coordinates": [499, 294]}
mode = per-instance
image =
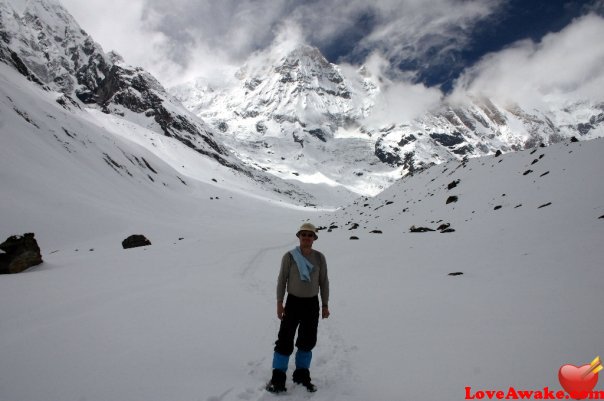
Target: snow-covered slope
{"type": "Point", "coordinates": [58, 160]}
{"type": "Point", "coordinates": [528, 240]}
{"type": "Point", "coordinates": [192, 317]}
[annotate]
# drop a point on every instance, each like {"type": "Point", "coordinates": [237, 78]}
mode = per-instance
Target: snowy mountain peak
{"type": "Point", "coordinates": [293, 80]}
{"type": "Point", "coordinates": [52, 16]}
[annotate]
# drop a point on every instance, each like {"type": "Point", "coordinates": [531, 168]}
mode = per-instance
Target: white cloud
{"type": "Point", "coordinates": [563, 67]}
{"type": "Point", "coordinates": [425, 30]}
{"type": "Point", "coordinates": [179, 38]}
{"type": "Point", "coordinates": [399, 102]}
{"type": "Point", "coordinates": [117, 25]}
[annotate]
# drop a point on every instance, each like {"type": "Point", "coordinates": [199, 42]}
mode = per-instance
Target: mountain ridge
{"type": "Point", "coordinates": [280, 97]}
{"type": "Point", "coordinates": [287, 113]}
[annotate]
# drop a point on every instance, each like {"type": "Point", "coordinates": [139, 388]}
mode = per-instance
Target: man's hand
{"type": "Point", "coordinates": [324, 312]}
{"type": "Point", "coordinates": [280, 310]}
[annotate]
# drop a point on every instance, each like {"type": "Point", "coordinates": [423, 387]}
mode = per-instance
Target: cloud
{"type": "Point", "coordinates": [414, 33]}
{"type": "Point", "coordinates": [563, 67]}
{"type": "Point", "coordinates": [186, 37]}
{"type": "Point", "coordinates": [119, 26]}
{"type": "Point", "coordinates": [179, 40]}
{"type": "Point", "coordinates": [398, 101]}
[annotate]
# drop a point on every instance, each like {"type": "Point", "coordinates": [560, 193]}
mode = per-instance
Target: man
{"type": "Point", "coordinates": [304, 274]}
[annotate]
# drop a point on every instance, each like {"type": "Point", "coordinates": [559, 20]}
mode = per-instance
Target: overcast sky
{"type": "Point", "coordinates": [505, 48]}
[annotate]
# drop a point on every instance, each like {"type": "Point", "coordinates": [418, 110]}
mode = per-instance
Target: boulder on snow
{"type": "Point", "coordinates": [453, 184]}
{"type": "Point", "coordinates": [22, 252]}
{"type": "Point", "coordinates": [452, 199]}
{"type": "Point", "coordinates": [414, 229]}
{"type": "Point", "coordinates": [456, 274]}
{"type": "Point", "coordinates": [135, 241]}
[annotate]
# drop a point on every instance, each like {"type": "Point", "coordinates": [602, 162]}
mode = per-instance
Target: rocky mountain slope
{"type": "Point", "coordinates": [539, 186]}
{"type": "Point", "coordinates": [292, 113]}
{"type": "Point", "coordinates": [46, 45]}
{"type": "Point", "coordinates": [50, 43]}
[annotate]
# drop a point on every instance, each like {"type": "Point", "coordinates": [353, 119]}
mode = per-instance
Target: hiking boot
{"type": "Point", "coordinates": [277, 383]}
{"type": "Point", "coordinates": [302, 376]}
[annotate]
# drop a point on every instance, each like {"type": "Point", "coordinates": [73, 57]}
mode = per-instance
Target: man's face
{"type": "Point", "coordinates": [306, 239]}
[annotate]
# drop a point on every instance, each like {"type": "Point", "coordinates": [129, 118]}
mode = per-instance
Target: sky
{"type": "Point", "coordinates": [542, 48]}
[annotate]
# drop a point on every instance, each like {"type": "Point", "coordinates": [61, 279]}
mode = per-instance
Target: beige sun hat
{"type": "Point", "coordinates": [307, 227]}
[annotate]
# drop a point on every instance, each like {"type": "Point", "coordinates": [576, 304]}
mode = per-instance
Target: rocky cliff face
{"type": "Point", "coordinates": [47, 44]}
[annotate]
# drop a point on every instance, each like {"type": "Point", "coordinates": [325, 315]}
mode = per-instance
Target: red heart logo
{"type": "Point", "coordinates": [577, 381]}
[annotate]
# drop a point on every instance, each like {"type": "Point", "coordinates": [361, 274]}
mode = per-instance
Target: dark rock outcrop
{"type": "Point", "coordinates": [135, 241]}
{"type": "Point", "coordinates": [414, 229]}
{"type": "Point", "coordinates": [22, 252]}
{"type": "Point", "coordinates": [452, 199]}
{"type": "Point", "coordinates": [453, 184]}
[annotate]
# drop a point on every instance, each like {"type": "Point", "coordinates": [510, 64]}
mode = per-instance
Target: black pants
{"type": "Point", "coordinates": [301, 314]}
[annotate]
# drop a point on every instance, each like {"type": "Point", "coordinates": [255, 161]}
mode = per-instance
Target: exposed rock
{"type": "Point", "coordinates": [407, 139]}
{"type": "Point", "coordinates": [456, 274]}
{"type": "Point", "coordinates": [387, 154]}
{"type": "Point", "coordinates": [414, 229]}
{"type": "Point", "coordinates": [318, 133]}
{"type": "Point", "coordinates": [376, 232]}
{"type": "Point", "coordinates": [544, 205]}
{"type": "Point", "coordinates": [444, 226]}
{"type": "Point", "coordinates": [448, 140]}
{"type": "Point", "coordinates": [453, 184]}
{"type": "Point", "coordinates": [452, 199]}
{"type": "Point", "coordinates": [354, 238]}
{"type": "Point", "coordinates": [22, 252]}
{"type": "Point", "coordinates": [135, 241]}
{"type": "Point", "coordinates": [448, 230]}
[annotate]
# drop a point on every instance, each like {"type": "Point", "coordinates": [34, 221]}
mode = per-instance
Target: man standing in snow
{"type": "Point", "coordinates": [304, 274]}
